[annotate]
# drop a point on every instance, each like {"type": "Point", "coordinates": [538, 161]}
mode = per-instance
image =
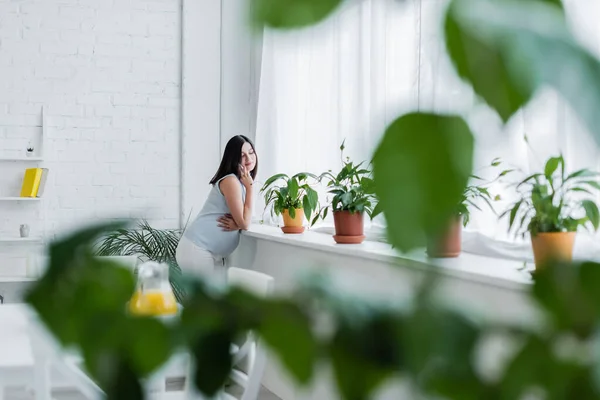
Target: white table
{"type": "Point", "coordinates": [16, 356]}
{"type": "Point", "coordinates": [27, 357]}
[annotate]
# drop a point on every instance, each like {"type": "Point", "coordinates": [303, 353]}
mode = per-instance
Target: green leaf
{"type": "Point", "coordinates": [286, 329]}
{"type": "Point", "coordinates": [368, 185]}
{"type": "Point", "coordinates": [529, 178]}
{"type": "Point", "coordinates": [582, 173]}
{"type": "Point", "coordinates": [144, 334]}
{"type": "Point", "coordinates": [271, 180]}
{"type": "Point", "coordinates": [526, 369]}
{"type": "Point", "coordinates": [361, 363]}
{"type": "Point", "coordinates": [293, 188]}
{"type": "Point", "coordinates": [593, 184]}
{"type": "Point", "coordinates": [315, 219]}
{"type": "Point", "coordinates": [313, 197]}
{"type": "Point", "coordinates": [557, 288]}
{"type": "Point", "coordinates": [291, 13]}
{"type": "Point", "coordinates": [125, 384]}
{"type": "Point", "coordinates": [307, 207]}
{"type": "Point", "coordinates": [555, 2]}
{"type": "Point", "coordinates": [513, 213]}
{"type": "Point", "coordinates": [551, 166]}
{"type": "Point", "coordinates": [421, 168]}
{"type": "Point", "coordinates": [63, 252]}
{"type": "Point", "coordinates": [483, 66]}
{"type": "Point", "coordinates": [376, 211]}
{"type": "Point", "coordinates": [533, 42]}
{"type": "Point", "coordinates": [213, 361]}
{"type": "Point", "coordinates": [580, 189]}
{"type": "Point", "coordinates": [591, 211]}
{"type": "Point", "coordinates": [434, 358]}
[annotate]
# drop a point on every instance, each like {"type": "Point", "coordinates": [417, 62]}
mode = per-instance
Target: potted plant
{"type": "Point", "coordinates": [553, 205]}
{"type": "Point", "coordinates": [293, 198]}
{"type": "Point", "coordinates": [149, 244]}
{"type": "Point", "coordinates": [353, 193]}
{"type": "Point", "coordinates": [447, 243]}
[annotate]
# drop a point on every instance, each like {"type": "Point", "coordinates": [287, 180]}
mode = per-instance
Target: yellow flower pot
{"type": "Point", "coordinates": [552, 246]}
{"type": "Point", "coordinates": [293, 225]}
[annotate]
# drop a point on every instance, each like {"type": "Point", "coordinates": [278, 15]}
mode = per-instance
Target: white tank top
{"type": "Point", "coordinates": [203, 230]}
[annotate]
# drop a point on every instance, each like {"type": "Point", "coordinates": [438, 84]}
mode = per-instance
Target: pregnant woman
{"type": "Point", "coordinates": [215, 232]}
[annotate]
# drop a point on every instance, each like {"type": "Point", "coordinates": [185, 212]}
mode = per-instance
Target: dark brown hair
{"type": "Point", "coordinates": [232, 157]}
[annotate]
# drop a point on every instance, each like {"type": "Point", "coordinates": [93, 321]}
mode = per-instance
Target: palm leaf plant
{"type": "Point", "coordinates": [555, 204]}
{"type": "Point", "coordinates": [148, 243]}
{"type": "Point", "coordinates": [353, 190]}
{"type": "Point", "coordinates": [291, 195]}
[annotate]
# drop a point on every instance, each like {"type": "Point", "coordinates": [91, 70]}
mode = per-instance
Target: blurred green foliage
{"type": "Point", "coordinates": [506, 50]}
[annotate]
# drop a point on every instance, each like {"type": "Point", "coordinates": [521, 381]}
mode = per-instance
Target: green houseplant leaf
{"type": "Point", "coordinates": [531, 52]}
{"type": "Point", "coordinates": [591, 211]}
{"type": "Point", "coordinates": [482, 65]}
{"type": "Point", "coordinates": [421, 168]}
{"type": "Point", "coordinates": [282, 192]}
{"type": "Point", "coordinates": [548, 203]}
{"type": "Point", "coordinates": [352, 188]}
{"type": "Point", "coordinates": [291, 13]}
{"type": "Point", "coordinates": [286, 329]}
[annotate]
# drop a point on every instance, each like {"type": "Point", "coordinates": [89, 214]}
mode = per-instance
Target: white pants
{"type": "Point", "coordinates": [202, 263]}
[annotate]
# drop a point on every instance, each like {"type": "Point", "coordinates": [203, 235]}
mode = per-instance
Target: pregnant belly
{"type": "Point", "coordinates": [206, 234]}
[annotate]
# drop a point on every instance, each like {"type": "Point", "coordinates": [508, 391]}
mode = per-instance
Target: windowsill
{"type": "Point", "coordinates": [489, 270]}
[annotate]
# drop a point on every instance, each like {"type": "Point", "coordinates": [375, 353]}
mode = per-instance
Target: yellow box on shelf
{"type": "Point", "coordinates": [32, 180]}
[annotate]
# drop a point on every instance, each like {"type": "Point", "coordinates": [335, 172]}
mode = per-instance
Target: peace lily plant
{"type": "Point", "coordinates": [475, 195]}
{"type": "Point", "coordinates": [353, 191]}
{"type": "Point", "coordinates": [553, 205]}
{"type": "Point", "coordinates": [293, 198]}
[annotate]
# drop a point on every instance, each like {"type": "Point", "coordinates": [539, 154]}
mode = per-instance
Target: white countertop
{"type": "Point", "coordinates": [507, 273]}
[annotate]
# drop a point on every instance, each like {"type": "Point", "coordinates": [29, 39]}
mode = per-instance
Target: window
{"type": "Point", "coordinates": [374, 60]}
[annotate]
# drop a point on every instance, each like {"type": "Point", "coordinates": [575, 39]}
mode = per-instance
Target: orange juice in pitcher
{"type": "Point", "coordinates": [153, 295]}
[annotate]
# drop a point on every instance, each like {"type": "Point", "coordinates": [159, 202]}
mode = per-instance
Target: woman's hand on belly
{"type": "Point", "coordinates": [227, 223]}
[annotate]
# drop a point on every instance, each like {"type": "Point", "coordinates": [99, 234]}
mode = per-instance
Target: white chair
{"type": "Point", "coordinates": [251, 351]}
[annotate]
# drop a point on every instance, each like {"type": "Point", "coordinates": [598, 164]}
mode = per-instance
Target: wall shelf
{"type": "Point", "coordinates": [16, 279]}
{"type": "Point", "coordinates": [21, 159]}
{"type": "Point", "coordinates": [16, 239]}
{"type": "Point", "coordinates": [15, 198]}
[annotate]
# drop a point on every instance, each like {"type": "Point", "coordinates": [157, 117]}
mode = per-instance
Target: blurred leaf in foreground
{"type": "Point", "coordinates": [291, 13]}
{"type": "Point", "coordinates": [421, 168]}
{"type": "Point", "coordinates": [514, 47]}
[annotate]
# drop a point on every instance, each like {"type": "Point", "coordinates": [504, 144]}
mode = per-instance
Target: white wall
{"type": "Point", "coordinates": [220, 90]}
{"type": "Point", "coordinates": [140, 96]}
{"type": "Point", "coordinates": [109, 74]}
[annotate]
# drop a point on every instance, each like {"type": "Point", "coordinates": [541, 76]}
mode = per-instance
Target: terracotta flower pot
{"type": "Point", "coordinates": [293, 225]}
{"type": "Point", "coordinates": [349, 227]}
{"type": "Point", "coordinates": [552, 246]}
{"type": "Point", "coordinates": [448, 243]}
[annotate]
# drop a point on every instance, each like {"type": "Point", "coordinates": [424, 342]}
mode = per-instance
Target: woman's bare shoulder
{"type": "Point", "coordinates": [229, 182]}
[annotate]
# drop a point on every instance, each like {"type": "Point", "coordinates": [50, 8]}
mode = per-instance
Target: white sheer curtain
{"type": "Point", "coordinates": [376, 59]}
{"type": "Point", "coordinates": [343, 79]}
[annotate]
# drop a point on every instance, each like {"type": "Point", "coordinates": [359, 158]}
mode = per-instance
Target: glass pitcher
{"type": "Point", "coordinates": [153, 295]}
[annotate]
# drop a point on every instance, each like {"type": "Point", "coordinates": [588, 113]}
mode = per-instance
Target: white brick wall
{"type": "Point", "coordinates": [109, 73]}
